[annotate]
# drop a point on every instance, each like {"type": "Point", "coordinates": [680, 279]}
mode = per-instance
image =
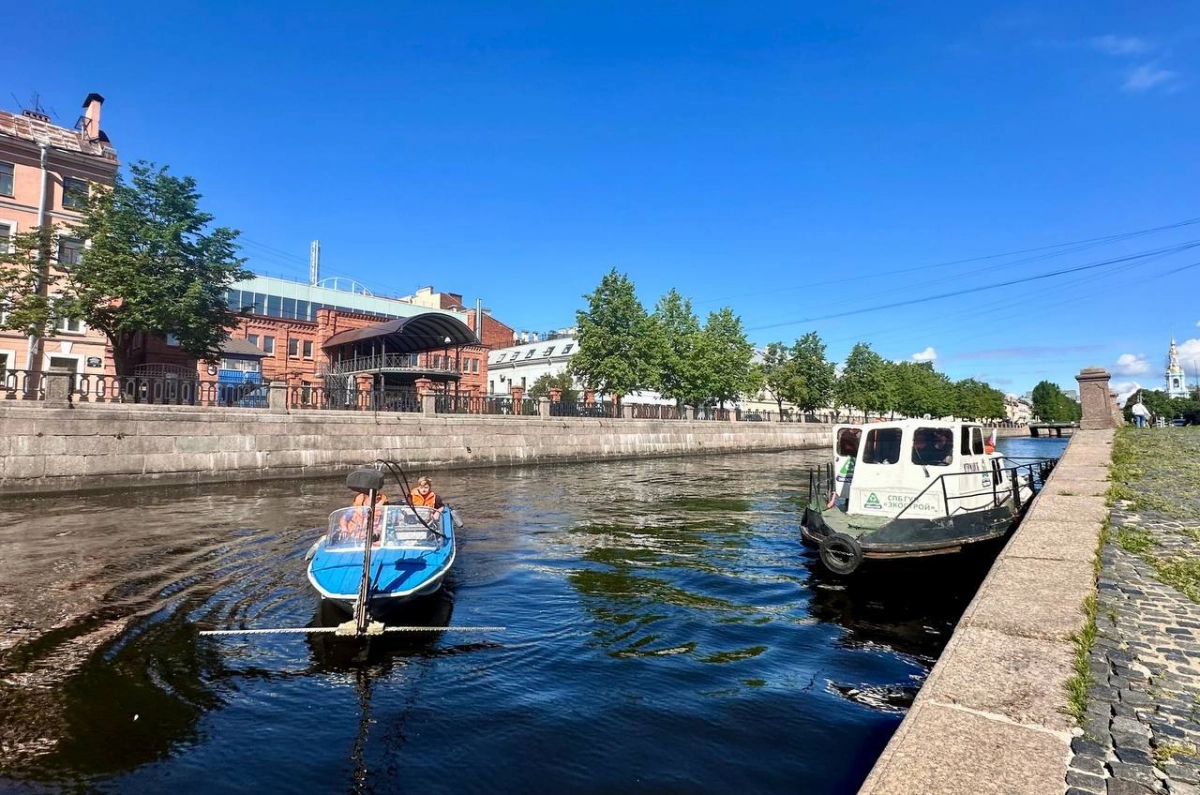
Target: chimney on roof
{"type": "Point", "coordinates": [91, 116]}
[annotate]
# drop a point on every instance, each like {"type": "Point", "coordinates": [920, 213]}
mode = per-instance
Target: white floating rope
{"type": "Point", "coordinates": [332, 630]}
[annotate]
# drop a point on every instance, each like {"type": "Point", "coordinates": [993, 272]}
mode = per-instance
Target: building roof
{"type": "Point", "coordinates": [239, 347]}
{"type": "Point", "coordinates": [36, 129]}
{"type": "Point", "coordinates": [430, 331]}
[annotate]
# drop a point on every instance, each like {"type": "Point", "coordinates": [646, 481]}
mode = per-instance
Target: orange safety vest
{"type": "Point", "coordinates": [429, 500]}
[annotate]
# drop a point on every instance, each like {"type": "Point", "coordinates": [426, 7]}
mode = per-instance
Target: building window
{"type": "Point", "coordinates": [474, 365]}
{"type": "Point", "coordinates": [522, 382]}
{"type": "Point", "coordinates": [268, 345]}
{"type": "Point", "coordinates": [567, 348]}
{"type": "Point", "coordinates": [548, 351]}
{"type": "Point", "coordinates": [173, 339]}
{"type": "Point", "coordinates": [532, 351]}
{"type": "Point", "coordinates": [75, 193]}
{"type": "Point", "coordinates": [5, 238]}
{"type": "Point", "coordinates": [3, 357]}
{"type": "Point", "coordinates": [69, 325]}
{"type": "Point", "coordinates": [308, 348]}
{"type": "Point", "coordinates": [252, 339]}
{"type": "Point", "coordinates": [6, 179]}
{"type": "Point", "coordinates": [70, 251]}
{"type": "Point", "coordinates": [491, 389]}
{"type": "Point", "coordinates": [293, 347]}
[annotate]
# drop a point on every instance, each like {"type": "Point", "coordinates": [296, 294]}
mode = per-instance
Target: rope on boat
{"type": "Point", "coordinates": [331, 630]}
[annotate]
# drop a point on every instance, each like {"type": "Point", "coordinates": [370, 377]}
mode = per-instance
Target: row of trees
{"type": "Point", "coordinates": [152, 264]}
{"type": "Point", "coordinates": [869, 383]}
{"type": "Point", "coordinates": [623, 349]}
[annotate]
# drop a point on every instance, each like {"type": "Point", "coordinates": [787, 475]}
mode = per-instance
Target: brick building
{"type": "Point", "coordinates": [45, 174]}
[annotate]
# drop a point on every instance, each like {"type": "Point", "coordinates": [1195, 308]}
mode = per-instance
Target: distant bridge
{"type": "Point", "coordinates": [1052, 428]}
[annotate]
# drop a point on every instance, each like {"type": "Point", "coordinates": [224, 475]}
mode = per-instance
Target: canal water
{"type": "Point", "coordinates": [665, 632]}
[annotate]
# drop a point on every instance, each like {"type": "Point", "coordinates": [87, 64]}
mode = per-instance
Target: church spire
{"type": "Point", "coordinates": [1176, 383]}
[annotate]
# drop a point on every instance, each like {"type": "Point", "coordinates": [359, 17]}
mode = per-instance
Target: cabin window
{"type": "Point", "coordinates": [977, 441]}
{"type": "Point", "coordinates": [848, 439]}
{"type": "Point", "coordinates": [882, 446]}
{"type": "Point", "coordinates": [933, 447]}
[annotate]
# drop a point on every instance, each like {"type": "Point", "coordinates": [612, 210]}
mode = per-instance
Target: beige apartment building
{"type": "Point", "coordinates": [44, 168]}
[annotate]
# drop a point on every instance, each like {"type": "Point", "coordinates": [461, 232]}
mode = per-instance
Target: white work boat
{"type": "Point", "coordinates": [914, 489]}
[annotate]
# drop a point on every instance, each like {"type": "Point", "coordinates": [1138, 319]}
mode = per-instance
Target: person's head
{"type": "Point", "coordinates": [942, 438]}
{"type": "Point", "coordinates": [424, 484]}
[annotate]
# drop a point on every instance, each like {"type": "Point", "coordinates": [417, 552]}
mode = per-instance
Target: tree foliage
{"type": "Point", "coordinates": [151, 265]}
{"type": "Point", "coordinates": [777, 372]}
{"type": "Point", "coordinates": [725, 354]}
{"type": "Point", "coordinates": [810, 386]}
{"type": "Point", "coordinates": [1051, 405]}
{"type": "Point", "coordinates": [26, 302]}
{"type": "Point", "coordinates": [678, 331]}
{"type": "Point", "coordinates": [618, 343]}
{"type": "Point", "coordinates": [865, 383]}
{"type": "Point", "coordinates": [547, 381]}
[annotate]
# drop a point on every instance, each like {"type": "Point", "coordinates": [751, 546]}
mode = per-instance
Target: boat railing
{"type": "Point", "coordinates": [1005, 483]}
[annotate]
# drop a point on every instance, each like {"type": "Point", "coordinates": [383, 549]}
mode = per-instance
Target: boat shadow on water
{"type": "Point", "coordinates": [909, 608]}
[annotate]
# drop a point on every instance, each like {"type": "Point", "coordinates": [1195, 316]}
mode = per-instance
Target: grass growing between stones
{"type": "Point", "coordinates": [1164, 752]}
{"type": "Point", "coordinates": [1160, 471]}
{"type": "Point", "coordinates": [1134, 540]}
{"type": "Point", "coordinates": [1084, 639]}
{"type": "Point", "coordinates": [1081, 676]}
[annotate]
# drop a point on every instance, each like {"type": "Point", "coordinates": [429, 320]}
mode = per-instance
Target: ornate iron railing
{"type": "Point", "coordinates": [652, 411]}
{"type": "Point", "coordinates": [605, 408]}
{"type": "Point", "coordinates": [396, 362]}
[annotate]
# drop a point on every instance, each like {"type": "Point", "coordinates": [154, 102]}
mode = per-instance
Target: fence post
{"type": "Point", "coordinates": [544, 407]}
{"type": "Point", "coordinates": [58, 388]}
{"type": "Point", "coordinates": [277, 402]}
{"type": "Point", "coordinates": [689, 412]}
{"type": "Point", "coordinates": [627, 411]}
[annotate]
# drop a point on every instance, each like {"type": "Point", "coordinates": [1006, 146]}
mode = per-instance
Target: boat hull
{"type": "Point", "coordinates": [399, 574]}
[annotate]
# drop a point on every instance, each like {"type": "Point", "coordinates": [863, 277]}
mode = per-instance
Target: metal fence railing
{"type": "Point", "coordinates": [342, 393]}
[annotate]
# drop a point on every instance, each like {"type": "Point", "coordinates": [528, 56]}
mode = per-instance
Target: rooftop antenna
{"type": "Point", "coordinates": [314, 262]}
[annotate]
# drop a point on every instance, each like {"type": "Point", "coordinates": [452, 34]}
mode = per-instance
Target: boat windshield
{"type": "Point", "coordinates": [395, 526]}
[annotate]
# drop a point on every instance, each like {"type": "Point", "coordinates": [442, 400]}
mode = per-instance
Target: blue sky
{"type": "Point", "coordinates": [790, 160]}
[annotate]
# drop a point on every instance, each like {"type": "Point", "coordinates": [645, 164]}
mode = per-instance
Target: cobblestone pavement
{"type": "Point", "coordinates": [1141, 733]}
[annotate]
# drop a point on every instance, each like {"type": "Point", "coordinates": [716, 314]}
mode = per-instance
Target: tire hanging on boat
{"type": "Point", "coordinates": [841, 553]}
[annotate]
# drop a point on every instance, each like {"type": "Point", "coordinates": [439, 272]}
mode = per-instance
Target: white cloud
{"type": "Point", "coordinates": [1189, 356]}
{"type": "Point", "coordinates": [1129, 364]}
{"type": "Point", "coordinates": [1124, 390]}
{"type": "Point", "coordinates": [927, 355]}
{"type": "Point", "coordinates": [1119, 45]}
{"type": "Point", "coordinates": [1148, 76]}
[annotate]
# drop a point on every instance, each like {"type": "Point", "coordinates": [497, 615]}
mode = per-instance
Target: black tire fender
{"type": "Point", "coordinates": [841, 553]}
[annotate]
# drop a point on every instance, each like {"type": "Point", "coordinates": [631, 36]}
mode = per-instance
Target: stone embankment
{"type": "Point", "coordinates": [62, 449]}
{"type": "Point", "coordinates": [994, 715]}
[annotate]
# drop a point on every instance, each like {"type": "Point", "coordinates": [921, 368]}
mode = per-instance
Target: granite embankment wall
{"type": "Point", "coordinates": [992, 716]}
{"type": "Point", "coordinates": [64, 449]}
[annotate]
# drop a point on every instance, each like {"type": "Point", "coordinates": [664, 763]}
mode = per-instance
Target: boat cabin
{"type": "Point", "coordinates": [921, 468]}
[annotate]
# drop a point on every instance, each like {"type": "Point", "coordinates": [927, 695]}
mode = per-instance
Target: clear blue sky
{"type": "Point", "coordinates": [784, 159]}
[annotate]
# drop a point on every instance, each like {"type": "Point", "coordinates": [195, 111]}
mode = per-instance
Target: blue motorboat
{"type": "Point", "coordinates": [406, 550]}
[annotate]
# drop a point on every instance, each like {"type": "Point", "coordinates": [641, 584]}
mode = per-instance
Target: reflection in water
{"type": "Point", "coordinates": [676, 638]}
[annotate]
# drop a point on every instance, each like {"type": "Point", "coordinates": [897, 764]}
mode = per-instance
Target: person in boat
{"type": "Point", "coordinates": [926, 450]}
{"type": "Point", "coordinates": [354, 522]}
{"type": "Point", "coordinates": [423, 496]}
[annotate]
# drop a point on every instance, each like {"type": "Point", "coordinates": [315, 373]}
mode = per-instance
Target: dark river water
{"type": "Point", "coordinates": [666, 632]}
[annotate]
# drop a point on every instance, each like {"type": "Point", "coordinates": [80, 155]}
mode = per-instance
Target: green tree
{"type": "Point", "coordinates": [1051, 405]}
{"type": "Point", "coordinates": [26, 303]}
{"type": "Point", "coordinates": [677, 336]}
{"type": "Point", "coordinates": [778, 372]}
{"type": "Point", "coordinates": [865, 383]}
{"type": "Point", "coordinates": [726, 354]}
{"type": "Point", "coordinates": [811, 386]}
{"type": "Point", "coordinates": [153, 265]}
{"type": "Point", "coordinates": [978, 401]}
{"type": "Point", "coordinates": [618, 343]}
{"type": "Point", "coordinates": [545, 382]}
